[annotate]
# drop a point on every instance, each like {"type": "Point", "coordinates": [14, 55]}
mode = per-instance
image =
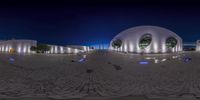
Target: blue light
{"type": "Point", "coordinates": [143, 62]}
{"type": "Point", "coordinates": [82, 60]}
{"type": "Point", "coordinates": [186, 59]}
{"type": "Point", "coordinates": [11, 60]}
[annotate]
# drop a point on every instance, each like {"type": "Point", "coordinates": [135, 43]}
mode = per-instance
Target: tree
{"type": "Point", "coordinates": [41, 48]}
{"type": "Point", "coordinates": [92, 47]}
{"type": "Point", "coordinates": [33, 48]}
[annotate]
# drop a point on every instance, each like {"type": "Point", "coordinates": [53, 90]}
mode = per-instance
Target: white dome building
{"type": "Point", "coordinates": [146, 39]}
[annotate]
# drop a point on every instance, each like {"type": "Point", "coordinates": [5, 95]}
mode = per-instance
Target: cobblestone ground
{"type": "Point", "coordinates": [101, 74]}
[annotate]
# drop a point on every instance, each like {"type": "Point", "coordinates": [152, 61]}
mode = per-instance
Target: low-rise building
{"type": "Point", "coordinates": [24, 46]}
{"type": "Point", "coordinates": [198, 45]}
{"type": "Point", "coordinates": [79, 47]}
{"type": "Point", "coordinates": [19, 46]}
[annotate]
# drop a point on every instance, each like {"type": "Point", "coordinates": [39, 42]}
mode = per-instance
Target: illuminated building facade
{"type": "Point", "coordinates": [198, 45]}
{"type": "Point", "coordinates": [80, 48]}
{"type": "Point", "coordinates": [55, 49]}
{"type": "Point", "coordinates": [18, 46]}
{"type": "Point", "coordinates": [146, 39]}
{"type": "Point", "coordinates": [23, 46]}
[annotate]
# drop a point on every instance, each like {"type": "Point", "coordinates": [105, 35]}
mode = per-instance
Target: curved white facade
{"type": "Point", "coordinates": [131, 38]}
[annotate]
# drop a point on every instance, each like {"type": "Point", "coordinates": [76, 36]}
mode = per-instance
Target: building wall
{"type": "Point", "coordinates": [19, 46]}
{"type": "Point", "coordinates": [198, 45]}
{"type": "Point", "coordinates": [131, 37]}
{"type": "Point", "coordinates": [55, 49]}
{"type": "Point", "coordinates": [79, 47]}
{"type": "Point", "coordinates": [23, 46]}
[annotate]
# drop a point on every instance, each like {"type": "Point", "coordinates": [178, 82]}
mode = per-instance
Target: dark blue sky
{"type": "Point", "coordinates": [85, 22]}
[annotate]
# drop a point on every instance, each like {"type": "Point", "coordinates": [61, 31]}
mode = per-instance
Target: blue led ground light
{"type": "Point", "coordinates": [143, 62]}
{"type": "Point", "coordinates": [82, 60]}
{"type": "Point", "coordinates": [11, 60]}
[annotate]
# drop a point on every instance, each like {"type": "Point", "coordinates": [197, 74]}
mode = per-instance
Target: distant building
{"type": "Point", "coordinates": [198, 45]}
{"type": "Point", "coordinates": [23, 46]}
{"type": "Point", "coordinates": [79, 48]}
{"type": "Point", "coordinates": [56, 49]}
{"type": "Point", "coordinates": [146, 39]}
{"type": "Point", "coordinates": [18, 46]}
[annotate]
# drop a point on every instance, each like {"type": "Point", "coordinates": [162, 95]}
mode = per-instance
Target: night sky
{"type": "Point", "coordinates": [87, 22]}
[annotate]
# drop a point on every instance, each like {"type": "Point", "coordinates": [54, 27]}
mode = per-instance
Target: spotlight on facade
{"type": "Point", "coordinates": [61, 50]}
{"type": "Point", "coordinates": [69, 50]}
{"type": "Point", "coordinates": [19, 49]}
{"type": "Point", "coordinates": [75, 50]}
{"type": "Point", "coordinates": [24, 49]}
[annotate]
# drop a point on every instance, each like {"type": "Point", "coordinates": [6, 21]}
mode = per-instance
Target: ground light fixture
{"type": "Point", "coordinates": [143, 62]}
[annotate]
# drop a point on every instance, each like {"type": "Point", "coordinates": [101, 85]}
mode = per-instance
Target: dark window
{"type": "Point", "coordinates": [117, 43]}
{"type": "Point", "coordinates": [145, 41]}
{"type": "Point", "coordinates": [171, 42]}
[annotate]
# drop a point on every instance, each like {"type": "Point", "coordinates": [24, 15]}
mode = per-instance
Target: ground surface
{"type": "Point", "coordinates": [101, 74]}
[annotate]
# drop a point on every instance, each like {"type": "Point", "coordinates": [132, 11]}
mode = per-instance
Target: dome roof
{"type": "Point", "coordinates": [141, 38]}
{"type": "Point", "coordinates": [141, 30]}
